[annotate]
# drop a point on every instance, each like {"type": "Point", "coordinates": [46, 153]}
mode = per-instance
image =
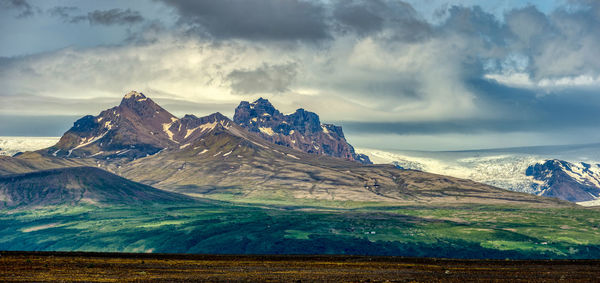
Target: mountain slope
{"type": "Point", "coordinates": [229, 161]}
{"type": "Point", "coordinates": [301, 130]}
{"type": "Point", "coordinates": [77, 185]}
{"type": "Point", "coordinates": [35, 161]}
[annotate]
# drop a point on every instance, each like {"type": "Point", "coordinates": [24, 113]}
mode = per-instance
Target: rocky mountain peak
{"type": "Point", "coordinates": [261, 103]}
{"type": "Point", "coordinates": [301, 130]}
{"type": "Point", "coordinates": [143, 106]}
{"type": "Point", "coordinates": [305, 121]}
{"type": "Point", "coordinates": [217, 116]}
{"type": "Point", "coordinates": [261, 107]}
{"type": "Point", "coordinates": [134, 95]}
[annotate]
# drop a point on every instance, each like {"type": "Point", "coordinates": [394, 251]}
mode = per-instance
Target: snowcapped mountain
{"type": "Point", "coordinates": [533, 170]}
{"type": "Point", "coordinates": [10, 146]}
{"type": "Point", "coordinates": [301, 130]}
{"type": "Point", "coordinates": [578, 182]}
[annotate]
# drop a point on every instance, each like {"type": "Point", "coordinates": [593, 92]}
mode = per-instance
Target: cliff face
{"type": "Point", "coordinates": [301, 130]}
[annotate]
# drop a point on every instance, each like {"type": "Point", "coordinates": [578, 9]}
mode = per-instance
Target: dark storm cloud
{"type": "Point", "coordinates": [471, 68]}
{"type": "Point", "coordinates": [522, 111]}
{"type": "Point", "coordinates": [370, 17]}
{"type": "Point", "coordinates": [561, 43]}
{"type": "Point", "coordinates": [64, 12]}
{"type": "Point", "coordinates": [21, 6]}
{"type": "Point", "coordinates": [115, 17]}
{"type": "Point", "coordinates": [97, 17]}
{"type": "Point", "coordinates": [469, 126]}
{"type": "Point", "coordinates": [260, 19]}
{"type": "Point", "coordinates": [473, 21]}
{"type": "Point", "coordinates": [264, 79]}
{"type": "Point", "coordinates": [361, 17]}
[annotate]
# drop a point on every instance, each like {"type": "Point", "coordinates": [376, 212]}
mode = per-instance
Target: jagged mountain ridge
{"type": "Point", "coordinates": [139, 127]}
{"type": "Point", "coordinates": [78, 185]}
{"type": "Point", "coordinates": [301, 130]}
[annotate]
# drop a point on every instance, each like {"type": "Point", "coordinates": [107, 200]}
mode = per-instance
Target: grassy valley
{"type": "Point", "coordinates": [216, 227]}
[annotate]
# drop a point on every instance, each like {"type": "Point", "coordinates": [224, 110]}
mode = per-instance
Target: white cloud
{"type": "Point", "coordinates": [523, 80]}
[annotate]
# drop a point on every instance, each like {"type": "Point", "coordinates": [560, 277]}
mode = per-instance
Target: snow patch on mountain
{"type": "Point", "coordinates": [167, 129]}
{"type": "Point", "coordinates": [87, 141]}
{"type": "Point", "coordinates": [267, 131]}
{"type": "Point", "coordinates": [135, 94]}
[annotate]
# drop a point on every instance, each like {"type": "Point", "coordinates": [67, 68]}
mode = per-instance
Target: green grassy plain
{"type": "Point", "coordinates": [309, 227]}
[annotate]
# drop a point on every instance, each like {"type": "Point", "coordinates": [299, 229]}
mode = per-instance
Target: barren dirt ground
{"type": "Point", "coordinates": [114, 267]}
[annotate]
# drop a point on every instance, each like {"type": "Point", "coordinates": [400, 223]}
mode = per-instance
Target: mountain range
{"type": "Point", "coordinates": [262, 151]}
{"type": "Point", "coordinates": [261, 154]}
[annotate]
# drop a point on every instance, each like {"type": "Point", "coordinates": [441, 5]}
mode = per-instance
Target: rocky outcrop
{"type": "Point", "coordinates": [301, 130]}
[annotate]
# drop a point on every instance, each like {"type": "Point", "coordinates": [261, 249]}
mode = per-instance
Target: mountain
{"type": "Point", "coordinates": [301, 130]}
{"type": "Point", "coordinates": [136, 128]}
{"type": "Point", "coordinates": [565, 180]}
{"type": "Point", "coordinates": [78, 185]}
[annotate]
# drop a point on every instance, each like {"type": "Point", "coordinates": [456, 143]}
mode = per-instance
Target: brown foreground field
{"type": "Point", "coordinates": [115, 267]}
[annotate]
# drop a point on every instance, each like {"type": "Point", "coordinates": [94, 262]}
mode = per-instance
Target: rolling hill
{"type": "Point", "coordinates": [78, 185]}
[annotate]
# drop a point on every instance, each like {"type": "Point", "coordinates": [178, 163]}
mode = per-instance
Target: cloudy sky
{"type": "Point", "coordinates": [420, 74]}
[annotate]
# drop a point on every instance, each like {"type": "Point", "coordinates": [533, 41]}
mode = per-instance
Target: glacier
{"type": "Point", "coordinates": [9, 146]}
{"type": "Point", "coordinates": [504, 168]}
